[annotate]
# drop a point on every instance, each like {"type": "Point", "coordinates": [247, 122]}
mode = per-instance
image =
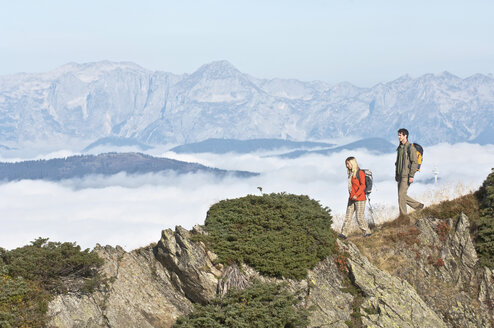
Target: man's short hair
{"type": "Point", "coordinates": [404, 132]}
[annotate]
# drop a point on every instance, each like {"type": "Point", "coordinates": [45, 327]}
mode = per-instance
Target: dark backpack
{"type": "Point", "coordinates": [368, 180]}
{"type": "Point", "coordinates": [420, 153]}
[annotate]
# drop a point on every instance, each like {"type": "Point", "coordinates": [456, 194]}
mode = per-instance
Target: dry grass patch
{"type": "Point", "coordinates": [382, 247]}
{"type": "Point", "coordinates": [467, 204]}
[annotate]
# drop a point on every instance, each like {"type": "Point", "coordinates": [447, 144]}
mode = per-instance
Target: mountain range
{"type": "Point", "coordinates": [87, 102]}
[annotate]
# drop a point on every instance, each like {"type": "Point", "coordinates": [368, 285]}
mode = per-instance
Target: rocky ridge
{"type": "Point", "coordinates": [437, 257]}
{"type": "Point", "coordinates": [428, 277]}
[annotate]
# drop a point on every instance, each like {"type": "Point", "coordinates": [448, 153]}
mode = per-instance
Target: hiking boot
{"type": "Point", "coordinates": [342, 236]}
{"type": "Point", "coordinates": [367, 234]}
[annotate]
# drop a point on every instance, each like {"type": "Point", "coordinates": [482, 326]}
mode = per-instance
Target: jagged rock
{"type": "Point", "coordinates": [331, 305]}
{"type": "Point", "coordinates": [233, 278]}
{"type": "Point", "coordinates": [152, 286]}
{"type": "Point", "coordinates": [451, 267]}
{"type": "Point", "coordinates": [393, 301]}
{"type": "Point", "coordinates": [139, 293]}
{"type": "Point", "coordinates": [438, 258]}
{"type": "Point", "coordinates": [456, 249]}
{"type": "Point", "coordinates": [462, 246]}
{"type": "Point", "coordinates": [486, 291]}
{"type": "Point", "coordinates": [194, 271]}
{"type": "Point", "coordinates": [76, 311]}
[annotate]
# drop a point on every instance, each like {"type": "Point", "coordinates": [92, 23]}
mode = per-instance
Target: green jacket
{"type": "Point", "coordinates": [409, 161]}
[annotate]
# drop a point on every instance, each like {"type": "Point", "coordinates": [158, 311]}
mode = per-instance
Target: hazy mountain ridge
{"type": "Point", "coordinates": [107, 99]}
{"type": "Point", "coordinates": [222, 146]}
{"type": "Point", "coordinates": [375, 145]}
{"type": "Point", "coordinates": [103, 164]}
{"type": "Point", "coordinates": [116, 142]}
{"type": "Point", "coordinates": [285, 148]}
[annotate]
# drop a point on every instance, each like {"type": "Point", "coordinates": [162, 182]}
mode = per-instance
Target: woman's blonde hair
{"type": "Point", "coordinates": [353, 163]}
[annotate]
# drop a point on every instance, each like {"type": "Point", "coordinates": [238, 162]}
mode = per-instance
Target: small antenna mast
{"type": "Point", "coordinates": [436, 173]}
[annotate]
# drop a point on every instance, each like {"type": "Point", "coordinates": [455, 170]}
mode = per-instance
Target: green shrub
{"type": "Point", "coordinates": [259, 306]}
{"type": "Point", "coordinates": [22, 302]}
{"type": "Point", "coordinates": [280, 235]}
{"type": "Point", "coordinates": [484, 235]}
{"type": "Point", "coordinates": [47, 262]}
{"type": "Point", "coordinates": [30, 275]}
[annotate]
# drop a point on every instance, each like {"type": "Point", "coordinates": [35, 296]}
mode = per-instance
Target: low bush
{"type": "Point", "coordinates": [280, 235]}
{"type": "Point", "coordinates": [484, 230]}
{"type": "Point", "coordinates": [259, 306]}
{"type": "Point", "coordinates": [31, 275]}
{"type": "Point", "coordinates": [22, 302]}
{"type": "Point", "coordinates": [48, 262]}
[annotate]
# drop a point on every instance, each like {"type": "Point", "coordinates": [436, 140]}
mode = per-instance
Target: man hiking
{"type": "Point", "coordinates": [406, 166]}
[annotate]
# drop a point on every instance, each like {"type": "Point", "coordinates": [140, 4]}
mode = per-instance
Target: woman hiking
{"type": "Point", "coordinates": [356, 200]}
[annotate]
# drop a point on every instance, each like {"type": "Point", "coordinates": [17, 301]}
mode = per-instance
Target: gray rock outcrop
{"type": "Point", "coordinates": [389, 301]}
{"type": "Point", "coordinates": [189, 264]}
{"type": "Point", "coordinates": [435, 281]}
{"type": "Point", "coordinates": [138, 293]}
{"type": "Point", "coordinates": [438, 259]}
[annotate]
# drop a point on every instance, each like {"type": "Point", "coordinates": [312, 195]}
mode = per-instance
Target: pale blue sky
{"type": "Point", "coordinates": [363, 42]}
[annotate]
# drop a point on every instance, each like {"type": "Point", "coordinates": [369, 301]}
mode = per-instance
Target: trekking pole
{"type": "Point", "coordinates": [372, 223]}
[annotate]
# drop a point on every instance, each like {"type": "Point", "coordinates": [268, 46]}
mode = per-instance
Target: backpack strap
{"type": "Point", "coordinates": [358, 176]}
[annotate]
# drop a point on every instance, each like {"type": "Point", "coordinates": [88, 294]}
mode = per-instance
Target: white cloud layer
{"type": "Point", "coordinates": [131, 211]}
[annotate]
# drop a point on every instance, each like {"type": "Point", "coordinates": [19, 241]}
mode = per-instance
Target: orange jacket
{"type": "Point", "coordinates": [358, 187]}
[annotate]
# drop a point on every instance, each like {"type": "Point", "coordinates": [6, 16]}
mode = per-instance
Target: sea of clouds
{"type": "Point", "coordinates": [131, 211]}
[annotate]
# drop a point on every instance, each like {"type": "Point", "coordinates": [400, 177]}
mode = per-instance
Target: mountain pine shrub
{"type": "Point", "coordinates": [484, 235]}
{"type": "Point", "coordinates": [280, 235]}
{"type": "Point", "coordinates": [32, 274]}
{"type": "Point", "coordinates": [259, 306]}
